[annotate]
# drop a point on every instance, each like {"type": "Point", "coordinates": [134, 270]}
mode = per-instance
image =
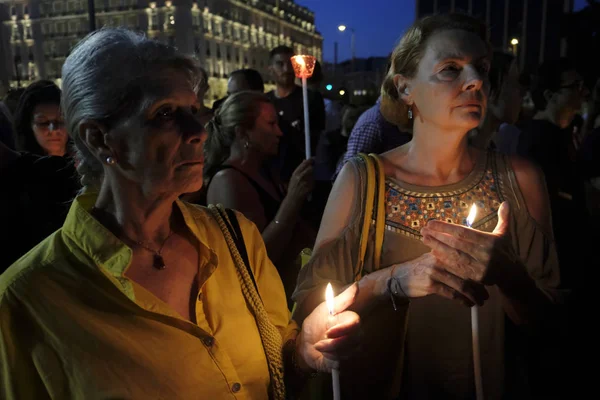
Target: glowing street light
{"type": "Point", "coordinates": [329, 87]}
{"type": "Point", "coordinates": [514, 42]}
{"type": "Point", "coordinates": [342, 92]}
{"type": "Point", "coordinates": [343, 28]}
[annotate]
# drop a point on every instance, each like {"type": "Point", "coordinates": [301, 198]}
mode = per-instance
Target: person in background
{"type": "Point", "coordinates": [139, 295]}
{"type": "Point", "coordinates": [36, 193]}
{"type": "Point", "coordinates": [38, 123]}
{"type": "Point", "coordinates": [242, 137]}
{"type": "Point", "coordinates": [504, 106]}
{"type": "Point", "coordinates": [372, 134]}
{"type": "Point", "coordinates": [558, 91]}
{"type": "Point", "coordinates": [415, 308]}
{"type": "Point", "coordinates": [287, 98]}
{"type": "Point", "coordinates": [241, 80]}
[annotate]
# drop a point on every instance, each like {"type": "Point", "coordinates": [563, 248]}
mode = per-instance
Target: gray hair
{"type": "Point", "coordinates": [106, 79]}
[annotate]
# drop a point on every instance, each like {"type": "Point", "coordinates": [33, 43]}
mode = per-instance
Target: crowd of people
{"type": "Point", "coordinates": [154, 247]}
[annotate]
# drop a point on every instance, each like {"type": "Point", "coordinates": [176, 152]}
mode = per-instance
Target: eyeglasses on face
{"type": "Point", "coordinates": [49, 125]}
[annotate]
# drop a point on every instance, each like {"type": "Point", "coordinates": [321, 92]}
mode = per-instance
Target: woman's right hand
{"type": "Point", "coordinates": [302, 181]}
{"type": "Point", "coordinates": [426, 275]}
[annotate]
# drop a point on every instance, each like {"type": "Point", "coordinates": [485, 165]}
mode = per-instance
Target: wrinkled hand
{"type": "Point", "coordinates": [426, 275]}
{"type": "Point", "coordinates": [324, 339]}
{"type": "Point", "coordinates": [472, 254]}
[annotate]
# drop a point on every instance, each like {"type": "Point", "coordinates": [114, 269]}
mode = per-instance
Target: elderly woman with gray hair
{"type": "Point", "coordinates": [141, 295]}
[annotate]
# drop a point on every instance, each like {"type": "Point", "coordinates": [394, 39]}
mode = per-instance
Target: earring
{"type": "Point", "coordinates": [246, 144]}
{"type": "Point", "coordinates": [410, 114]}
{"type": "Point", "coordinates": [110, 160]}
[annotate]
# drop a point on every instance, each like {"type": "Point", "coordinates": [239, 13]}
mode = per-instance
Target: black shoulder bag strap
{"type": "Point", "coordinates": [236, 233]}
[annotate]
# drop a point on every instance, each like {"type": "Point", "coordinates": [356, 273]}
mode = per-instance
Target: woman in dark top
{"type": "Point", "coordinates": [243, 135]}
{"type": "Point", "coordinates": [38, 124]}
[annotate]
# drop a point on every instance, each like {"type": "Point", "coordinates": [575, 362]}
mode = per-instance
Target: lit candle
{"type": "Point", "coordinates": [335, 373]}
{"type": "Point", "coordinates": [475, 327]}
{"type": "Point", "coordinates": [304, 67]}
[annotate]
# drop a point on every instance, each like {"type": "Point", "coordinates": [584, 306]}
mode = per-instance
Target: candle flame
{"type": "Point", "coordinates": [472, 215]}
{"type": "Point", "coordinates": [329, 298]}
{"type": "Point", "coordinates": [304, 65]}
{"type": "Point", "coordinates": [300, 61]}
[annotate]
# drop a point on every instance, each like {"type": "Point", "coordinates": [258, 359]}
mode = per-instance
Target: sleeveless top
{"type": "Point", "coordinates": [423, 350]}
{"type": "Point", "coordinates": [269, 203]}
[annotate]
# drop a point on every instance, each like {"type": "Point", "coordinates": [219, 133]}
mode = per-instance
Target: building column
{"type": "Point", "coordinates": [543, 31]}
{"type": "Point", "coordinates": [184, 27]}
{"type": "Point", "coordinates": [523, 40]}
{"type": "Point", "coordinates": [506, 12]}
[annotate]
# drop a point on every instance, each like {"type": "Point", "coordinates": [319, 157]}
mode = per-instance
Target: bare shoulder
{"type": "Point", "coordinates": [532, 184]}
{"type": "Point", "coordinates": [227, 183]}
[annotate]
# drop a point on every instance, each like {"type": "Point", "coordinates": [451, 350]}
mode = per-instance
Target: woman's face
{"type": "Point", "coordinates": [49, 129]}
{"type": "Point", "coordinates": [265, 134]}
{"type": "Point", "coordinates": [506, 106]}
{"type": "Point", "coordinates": [451, 85]}
{"type": "Point", "coordinates": [161, 149]}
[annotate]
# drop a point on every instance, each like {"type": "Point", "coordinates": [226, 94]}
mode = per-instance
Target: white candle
{"type": "Point", "coordinates": [304, 66]}
{"type": "Point", "coordinates": [335, 373]}
{"type": "Point", "coordinates": [475, 328]}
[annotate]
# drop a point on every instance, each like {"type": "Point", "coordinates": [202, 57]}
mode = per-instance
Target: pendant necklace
{"type": "Point", "coordinates": [159, 261]}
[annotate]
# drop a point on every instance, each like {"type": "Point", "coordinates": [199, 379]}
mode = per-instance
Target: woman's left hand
{"type": "Point", "coordinates": [480, 256]}
{"type": "Point", "coordinates": [325, 339]}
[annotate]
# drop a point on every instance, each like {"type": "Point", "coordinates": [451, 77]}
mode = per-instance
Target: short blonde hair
{"type": "Point", "coordinates": [408, 53]}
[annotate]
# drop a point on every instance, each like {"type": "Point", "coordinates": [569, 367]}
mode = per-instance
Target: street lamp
{"type": "Point", "coordinates": [514, 42]}
{"type": "Point", "coordinates": [343, 28]}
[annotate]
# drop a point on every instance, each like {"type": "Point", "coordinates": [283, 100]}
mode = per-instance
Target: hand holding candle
{"type": "Point", "coordinates": [304, 67]}
{"type": "Point", "coordinates": [475, 256]}
{"type": "Point", "coordinates": [320, 345]}
{"type": "Point", "coordinates": [335, 372]}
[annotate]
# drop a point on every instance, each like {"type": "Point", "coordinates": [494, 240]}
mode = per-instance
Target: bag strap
{"type": "Point", "coordinates": [367, 214]}
{"type": "Point", "coordinates": [374, 203]}
{"type": "Point", "coordinates": [380, 209]}
{"type": "Point", "coordinates": [233, 226]}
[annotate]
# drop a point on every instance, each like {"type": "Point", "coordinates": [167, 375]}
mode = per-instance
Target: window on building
{"type": "Point", "coordinates": [60, 28]}
{"type": "Point", "coordinates": [32, 71]}
{"type": "Point", "coordinates": [132, 21]}
{"type": "Point", "coordinates": [58, 6]}
{"type": "Point", "coordinates": [207, 24]}
{"type": "Point", "coordinates": [28, 32]}
{"type": "Point", "coordinates": [14, 35]}
{"type": "Point", "coordinates": [73, 27]}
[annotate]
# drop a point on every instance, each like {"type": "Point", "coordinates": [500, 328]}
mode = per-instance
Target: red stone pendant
{"type": "Point", "coordinates": [159, 262]}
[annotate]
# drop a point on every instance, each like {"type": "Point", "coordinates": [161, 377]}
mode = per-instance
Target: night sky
{"type": "Point", "coordinates": [378, 24]}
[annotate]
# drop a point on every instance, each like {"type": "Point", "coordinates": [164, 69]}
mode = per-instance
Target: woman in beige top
{"type": "Point", "coordinates": [433, 265]}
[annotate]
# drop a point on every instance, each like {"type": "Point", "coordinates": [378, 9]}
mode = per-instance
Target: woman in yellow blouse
{"type": "Point", "coordinates": [138, 296]}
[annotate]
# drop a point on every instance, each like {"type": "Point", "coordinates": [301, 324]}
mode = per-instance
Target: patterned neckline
{"type": "Point", "coordinates": [462, 186]}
